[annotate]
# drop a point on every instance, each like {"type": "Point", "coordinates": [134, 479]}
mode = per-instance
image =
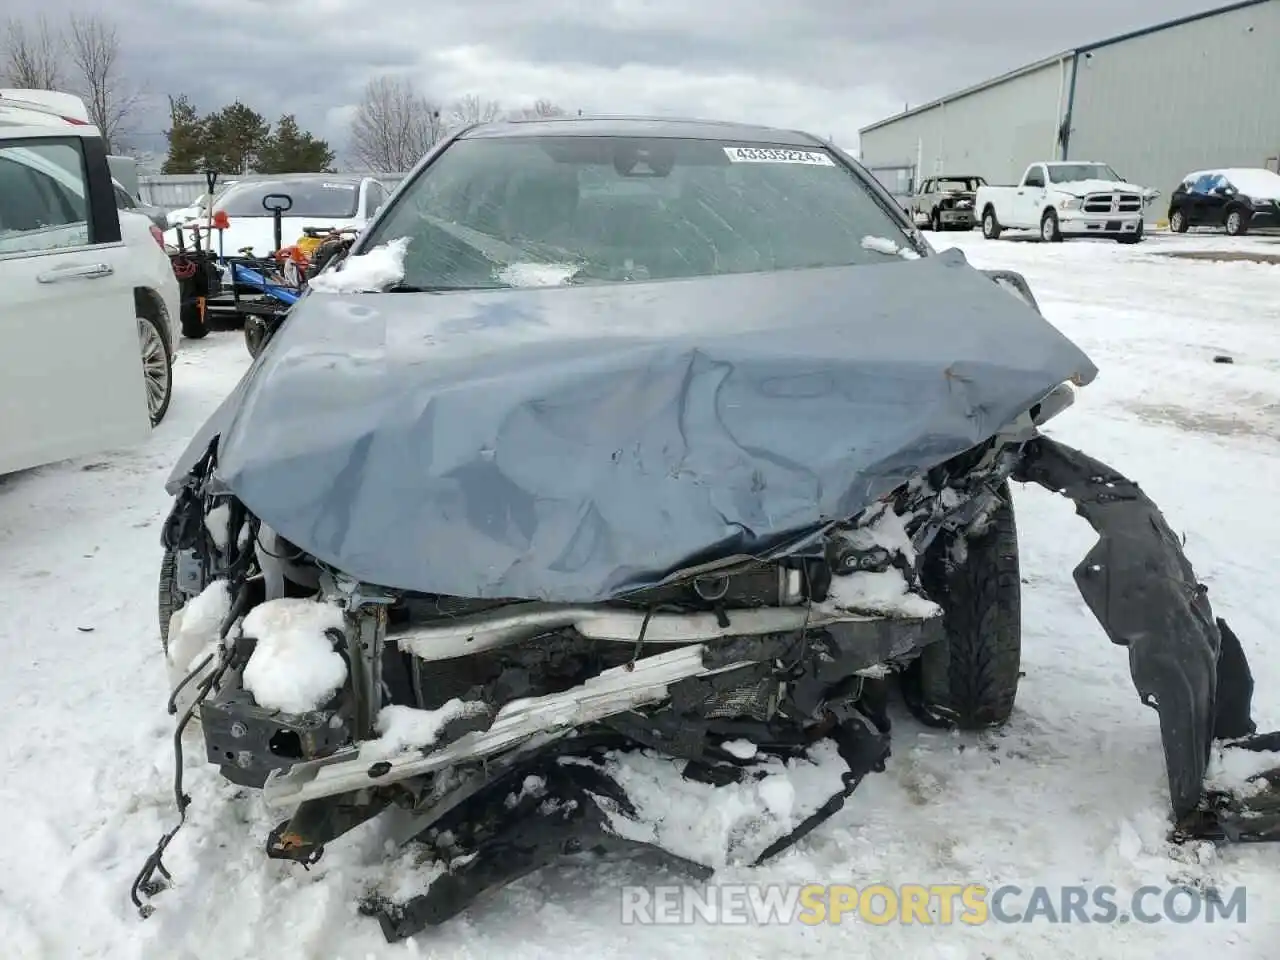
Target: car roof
{"type": "Point", "coordinates": [624, 126]}
{"type": "Point", "coordinates": [1227, 172]}
{"type": "Point", "coordinates": [275, 177]}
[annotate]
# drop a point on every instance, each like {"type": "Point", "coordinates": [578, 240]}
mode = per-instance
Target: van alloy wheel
{"type": "Point", "coordinates": [156, 371]}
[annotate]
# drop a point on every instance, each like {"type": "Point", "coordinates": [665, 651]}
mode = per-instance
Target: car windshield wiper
{"type": "Point", "coordinates": [415, 288]}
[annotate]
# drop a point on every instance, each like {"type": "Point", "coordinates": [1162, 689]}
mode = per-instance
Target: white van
{"type": "Point", "coordinates": [88, 301]}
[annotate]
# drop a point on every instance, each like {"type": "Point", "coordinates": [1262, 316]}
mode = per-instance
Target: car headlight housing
{"type": "Point", "coordinates": [1071, 203]}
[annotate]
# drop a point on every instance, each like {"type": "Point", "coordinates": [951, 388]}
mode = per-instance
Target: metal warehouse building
{"type": "Point", "coordinates": [1156, 104]}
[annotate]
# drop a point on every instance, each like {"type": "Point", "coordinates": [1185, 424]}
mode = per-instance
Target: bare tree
{"type": "Point", "coordinates": [471, 109]}
{"type": "Point", "coordinates": [32, 56]}
{"type": "Point", "coordinates": [539, 109]}
{"type": "Point", "coordinates": [94, 49]}
{"type": "Point", "coordinates": [394, 126]}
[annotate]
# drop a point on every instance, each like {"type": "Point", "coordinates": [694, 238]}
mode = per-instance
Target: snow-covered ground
{"type": "Point", "coordinates": [1072, 792]}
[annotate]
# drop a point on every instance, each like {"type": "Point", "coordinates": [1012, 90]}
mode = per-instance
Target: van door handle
{"type": "Point", "coordinates": [88, 271]}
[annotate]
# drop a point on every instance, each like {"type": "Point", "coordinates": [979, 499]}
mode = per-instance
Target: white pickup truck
{"type": "Point", "coordinates": [1066, 199]}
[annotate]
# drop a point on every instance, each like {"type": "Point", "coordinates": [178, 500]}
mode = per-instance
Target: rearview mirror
{"type": "Point", "coordinates": [277, 201]}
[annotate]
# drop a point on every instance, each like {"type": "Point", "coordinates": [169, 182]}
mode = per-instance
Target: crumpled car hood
{"type": "Point", "coordinates": [575, 443]}
{"type": "Point", "coordinates": [1082, 188]}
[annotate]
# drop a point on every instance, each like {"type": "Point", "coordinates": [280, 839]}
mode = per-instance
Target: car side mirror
{"type": "Point", "coordinates": [277, 201]}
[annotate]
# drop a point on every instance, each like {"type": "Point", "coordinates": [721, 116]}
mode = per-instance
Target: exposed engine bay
{"type": "Point", "coordinates": [496, 733]}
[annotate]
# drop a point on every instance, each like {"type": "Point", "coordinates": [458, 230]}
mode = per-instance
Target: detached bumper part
{"type": "Point", "coordinates": [497, 843]}
{"type": "Point", "coordinates": [495, 839]}
{"type": "Point", "coordinates": [1185, 663]}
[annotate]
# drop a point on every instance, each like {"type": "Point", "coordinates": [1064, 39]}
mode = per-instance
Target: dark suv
{"type": "Point", "coordinates": [1235, 199]}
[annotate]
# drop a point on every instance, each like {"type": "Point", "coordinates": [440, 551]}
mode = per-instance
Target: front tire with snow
{"type": "Point", "coordinates": [971, 677]}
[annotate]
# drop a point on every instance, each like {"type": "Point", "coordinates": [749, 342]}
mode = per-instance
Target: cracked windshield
{"type": "Point", "coordinates": [543, 210]}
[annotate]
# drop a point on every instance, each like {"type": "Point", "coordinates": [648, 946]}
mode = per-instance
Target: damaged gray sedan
{"type": "Point", "coordinates": [617, 450]}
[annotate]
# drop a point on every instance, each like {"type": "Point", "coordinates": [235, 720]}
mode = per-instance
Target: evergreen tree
{"type": "Point", "coordinates": [235, 137]}
{"type": "Point", "coordinates": [187, 138]}
{"type": "Point", "coordinates": [292, 150]}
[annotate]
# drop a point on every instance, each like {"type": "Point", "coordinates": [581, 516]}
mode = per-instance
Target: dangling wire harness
{"type": "Point", "coordinates": [146, 884]}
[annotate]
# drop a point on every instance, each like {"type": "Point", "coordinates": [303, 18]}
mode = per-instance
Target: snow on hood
{"type": "Point", "coordinates": [537, 274]}
{"type": "Point", "coordinates": [367, 272]}
{"type": "Point", "coordinates": [888, 247]}
{"type": "Point", "coordinates": [574, 443]}
{"type": "Point", "coordinates": [1080, 188]}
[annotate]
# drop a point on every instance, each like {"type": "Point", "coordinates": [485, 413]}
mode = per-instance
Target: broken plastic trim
{"type": "Point", "coordinates": [1191, 668]}
{"type": "Point", "coordinates": [612, 691]}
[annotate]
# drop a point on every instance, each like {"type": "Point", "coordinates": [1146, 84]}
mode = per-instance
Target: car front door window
{"type": "Point", "coordinates": [42, 197]}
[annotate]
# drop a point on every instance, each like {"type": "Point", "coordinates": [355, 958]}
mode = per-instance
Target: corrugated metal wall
{"type": "Point", "coordinates": [1203, 94]}
{"type": "Point", "coordinates": [994, 132]}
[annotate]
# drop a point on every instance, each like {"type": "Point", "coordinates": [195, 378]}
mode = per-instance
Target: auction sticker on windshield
{"type": "Point", "coordinates": [777, 155]}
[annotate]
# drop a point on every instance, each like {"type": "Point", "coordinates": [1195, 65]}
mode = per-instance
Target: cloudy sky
{"type": "Point", "coordinates": [828, 66]}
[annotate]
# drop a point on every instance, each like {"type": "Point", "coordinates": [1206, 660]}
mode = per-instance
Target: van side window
{"type": "Point", "coordinates": [43, 202]}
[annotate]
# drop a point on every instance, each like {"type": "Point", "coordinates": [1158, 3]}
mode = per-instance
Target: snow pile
{"type": "Point", "coordinates": [883, 593]}
{"type": "Point", "coordinates": [1239, 771]}
{"type": "Point", "coordinates": [218, 522]}
{"type": "Point", "coordinates": [742, 749]}
{"type": "Point", "coordinates": [369, 272]}
{"type": "Point", "coordinates": [536, 274]}
{"type": "Point", "coordinates": [405, 728]}
{"type": "Point", "coordinates": [293, 667]}
{"type": "Point", "coordinates": [887, 246]}
{"type": "Point", "coordinates": [194, 634]}
{"type": "Point", "coordinates": [720, 826]}
{"type": "Point", "coordinates": [887, 592]}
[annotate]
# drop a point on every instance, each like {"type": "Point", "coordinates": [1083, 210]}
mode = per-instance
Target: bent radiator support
{"type": "Point", "coordinates": [1191, 668]}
